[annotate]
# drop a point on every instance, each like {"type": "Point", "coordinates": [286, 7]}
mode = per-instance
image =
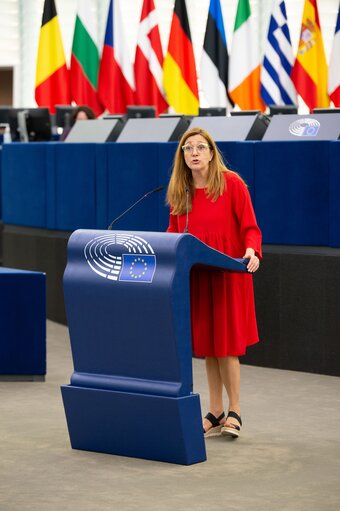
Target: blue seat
{"type": "Point", "coordinates": [22, 325]}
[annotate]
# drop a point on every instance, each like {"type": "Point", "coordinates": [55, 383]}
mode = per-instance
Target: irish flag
{"type": "Point", "coordinates": [85, 59]}
{"type": "Point", "coordinates": [244, 62]}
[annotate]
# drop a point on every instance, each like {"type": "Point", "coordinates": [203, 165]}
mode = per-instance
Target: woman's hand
{"type": "Point", "coordinates": [254, 261]}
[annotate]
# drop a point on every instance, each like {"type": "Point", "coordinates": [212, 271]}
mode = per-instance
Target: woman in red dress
{"type": "Point", "coordinates": [223, 320]}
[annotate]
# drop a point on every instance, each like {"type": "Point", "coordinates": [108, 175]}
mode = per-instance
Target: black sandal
{"type": "Point", "coordinates": [233, 430]}
{"type": "Point", "coordinates": [216, 427]}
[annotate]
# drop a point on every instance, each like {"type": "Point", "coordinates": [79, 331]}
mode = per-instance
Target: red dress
{"type": "Point", "coordinates": [223, 320]}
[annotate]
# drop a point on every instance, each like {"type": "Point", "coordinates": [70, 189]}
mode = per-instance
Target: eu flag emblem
{"type": "Point", "coordinates": [138, 268]}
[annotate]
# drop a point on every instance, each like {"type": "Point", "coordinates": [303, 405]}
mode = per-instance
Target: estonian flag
{"type": "Point", "coordinates": [215, 60]}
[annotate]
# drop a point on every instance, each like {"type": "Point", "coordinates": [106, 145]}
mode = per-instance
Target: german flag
{"type": "Point", "coordinates": [179, 69]}
{"type": "Point", "coordinates": [52, 76]}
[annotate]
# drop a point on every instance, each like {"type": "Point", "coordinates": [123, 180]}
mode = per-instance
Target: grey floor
{"type": "Point", "coordinates": [288, 458]}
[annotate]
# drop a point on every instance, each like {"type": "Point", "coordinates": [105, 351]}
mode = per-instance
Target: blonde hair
{"type": "Point", "coordinates": [181, 177]}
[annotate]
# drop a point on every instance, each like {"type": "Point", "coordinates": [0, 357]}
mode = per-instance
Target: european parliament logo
{"type": "Point", "coordinates": [305, 127]}
{"type": "Point", "coordinates": [121, 257]}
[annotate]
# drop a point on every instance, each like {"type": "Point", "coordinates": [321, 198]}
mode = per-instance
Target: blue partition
{"type": "Point", "coordinates": [239, 157]}
{"type": "Point", "coordinates": [132, 170]}
{"type": "Point", "coordinates": [75, 186]}
{"type": "Point", "coordinates": [23, 324]}
{"type": "Point", "coordinates": [334, 194]}
{"type": "Point", "coordinates": [292, 192]}
{"type": "Point", "coordinates": [24, 184]}
{"type": "Point", "coordinates": [294, 186]}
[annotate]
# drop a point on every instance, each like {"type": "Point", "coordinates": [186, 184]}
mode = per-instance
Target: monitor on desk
{"type": "Point", "coordinates": [63, 115]}
{"type": "Point", "coordinates": [326, 111]}
{"type": "Point", "coordinates": [30, 124]}
{"type": "Point", "coordinates": [212, 111]}
{"type": "Point", "coordinates": [4, 114]}
{"type": "Point", "coordinates": [138, 112]}
{"type": "Point", "coordinates": [282, 109]}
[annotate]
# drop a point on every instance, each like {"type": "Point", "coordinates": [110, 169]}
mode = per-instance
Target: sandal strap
{"type": "Point", "coordinates": [215, 421]}
{"type": "Point", "coordinates": [235, 416]}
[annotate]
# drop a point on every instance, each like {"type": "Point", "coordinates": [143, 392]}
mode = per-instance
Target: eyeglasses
{"type": "Point", "coordinates": [200, 148]}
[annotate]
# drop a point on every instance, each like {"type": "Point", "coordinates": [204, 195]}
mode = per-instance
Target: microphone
{"type": "Point", "coordinates": [155, 190]}
{"type": "Point", "coordinates": [187, 208]}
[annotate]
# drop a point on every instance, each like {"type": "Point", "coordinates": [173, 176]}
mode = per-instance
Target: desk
{"type": "Point", "coordinates": [294, 186]}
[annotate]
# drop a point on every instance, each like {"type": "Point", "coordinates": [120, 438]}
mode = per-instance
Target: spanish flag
{"type": "Point", "coordinates": [52, 77]}
{"type": "Point", "coordinates": [179, 69]}
{"type": "Point", "coordinates": [309, 73]}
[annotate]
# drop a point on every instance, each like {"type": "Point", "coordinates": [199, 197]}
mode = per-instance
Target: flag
{"type": "Point", "coordinates": [309, 72]}
{"type": "Point", "coordinates": [244, 63]}
{"type": "Point", "coordinates": [52, 86]}
{"type": "Point", "coordinates": [138, 268]}
{"type": "Point", "coordinates": [215, 59]}
{"type": "Point", "coordinates": [116, 84]}
{"type": "Point", "coordinates": [179, 69]}
{"type": "Point", "coordinates": [277, 87]}
{"type": "Point", "coordinates": [85, 60]}
{"type": "Point", "coordinates": [149, 61]}
{"type": "Point", "coordinates": [334, 66]}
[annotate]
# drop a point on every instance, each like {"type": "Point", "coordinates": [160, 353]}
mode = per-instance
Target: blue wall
{"type": "Point", "coordinates": [295, 186]}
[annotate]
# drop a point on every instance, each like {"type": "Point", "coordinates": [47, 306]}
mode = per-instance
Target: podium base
{"type": "Point", "coordinates": [137, 425]}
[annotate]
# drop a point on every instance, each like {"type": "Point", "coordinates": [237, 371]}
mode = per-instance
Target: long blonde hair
{"type": "Point", "coordinates": [181, 177]}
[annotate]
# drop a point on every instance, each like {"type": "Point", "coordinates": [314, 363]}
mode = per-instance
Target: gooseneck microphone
{"type": "Point", "coordinates": [158, 189]}
{"type": "Point", "coordinates": [187, 210]}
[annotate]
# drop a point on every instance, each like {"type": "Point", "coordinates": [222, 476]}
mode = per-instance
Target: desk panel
{"type": "Point", "coordinates": [334, 194]}
{"type": "Point", "coordinates": [294, 186]}
{"type": "Point", "coordinates": [292, 192]}
{"type": "Point", "coordinates": [24, 183]}
{"type": "Point", "coordinates": [74, 194]}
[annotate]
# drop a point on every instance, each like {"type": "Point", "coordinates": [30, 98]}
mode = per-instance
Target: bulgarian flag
{"type": "Point", "coordinates": [309, 72]}
{"type": "Point", "coordinates": [85, 60]}
{"type": "Point", "coordinates": [179, 68]}
{"type": "Point", "coordinates": [52, 85]}
{"type": "Point", "coordinates": [244, 63]}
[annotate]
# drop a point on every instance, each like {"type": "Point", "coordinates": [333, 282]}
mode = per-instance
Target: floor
{"type": "Point", "coordinates": [287, 458]}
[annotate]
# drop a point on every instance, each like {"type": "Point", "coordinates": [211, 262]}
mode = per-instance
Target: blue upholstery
{"type": "Point", "coordinates": [23, 322]}
{"type": "Point", "coordinates": [294, 186]}
{"type": "Point", "coordinates": [334, 194]}
{"type": "Point", "coordinates": [24, 177]}
{"type": "Point", "coordinates": [292, 192]}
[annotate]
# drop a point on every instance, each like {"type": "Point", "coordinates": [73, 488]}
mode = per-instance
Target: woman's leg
{"type": "Point", "coordinates": [215, 385]}
{"type": "Point", "coordinates": [230, 373]}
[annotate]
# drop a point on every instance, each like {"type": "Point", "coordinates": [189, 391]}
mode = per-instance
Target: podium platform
{"type": "Point", "coordinates": [127, 297]}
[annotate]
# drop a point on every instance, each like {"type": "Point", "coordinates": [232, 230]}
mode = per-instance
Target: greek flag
{"type": "Point", "coordinates": [277, 87]}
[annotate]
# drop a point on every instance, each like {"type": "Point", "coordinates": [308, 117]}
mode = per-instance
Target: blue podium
{"type": "Point", "coordinates": [127, 297]}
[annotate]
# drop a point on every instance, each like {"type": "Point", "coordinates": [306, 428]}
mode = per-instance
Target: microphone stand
{"type": "Point", "coordinates": [158, 189]}
{"type": "Point", "coordinates": [187, 208]}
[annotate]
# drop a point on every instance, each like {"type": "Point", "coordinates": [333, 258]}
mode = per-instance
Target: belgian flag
{"type": "Point", "coordinates": [52, 77]}
{"type": "Point", "coordinates": [179, 69]}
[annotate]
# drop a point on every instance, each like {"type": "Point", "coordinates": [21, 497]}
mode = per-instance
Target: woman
{"type": "Point", "coordinates": [223, 320]}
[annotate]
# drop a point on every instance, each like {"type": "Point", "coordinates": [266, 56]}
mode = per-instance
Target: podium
{"type": "Point", "coordinates": [127, 297]}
